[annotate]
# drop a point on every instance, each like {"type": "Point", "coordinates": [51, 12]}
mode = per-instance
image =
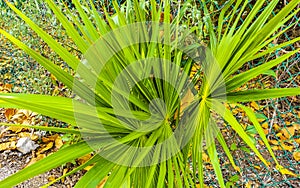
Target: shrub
{"type": "Point", "coordinates": [137, 110]}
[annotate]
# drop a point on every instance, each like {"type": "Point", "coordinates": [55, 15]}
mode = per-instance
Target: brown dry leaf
{"type": "Point", "coordinates": [84, 159]}
{"type": "Point", "coordinates": [185, 102]}
{"type": "Point", "coordinates": [37, 158]}
{"type": "Point", "coordinates": [285, 171]}
{"type": "Point", "coordinates": [5, 88]}
{"type": "Point", "coordinates": [8, 146]}
{"type": "Point", "coordinates": [9, 113]}
{"type": "Point", "coordinates": [58, 142]}
{"type": "Point", "coordinates": [46, 148]}
{"type": "Point", "coordinates": [254, 105]}
{"type": "Point", "coordinates": [24, 117]}
{"type": "Point", "coordinates": [51, 138]}
{"type": "Point", "coordinates": [296, 156]}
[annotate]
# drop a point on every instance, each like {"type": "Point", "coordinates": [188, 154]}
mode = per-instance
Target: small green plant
{"type": "Point", "coordinates": [136, 107]}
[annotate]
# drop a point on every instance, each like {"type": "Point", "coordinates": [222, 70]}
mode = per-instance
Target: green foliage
{"type": "Point", "coordinates": [146, 162]}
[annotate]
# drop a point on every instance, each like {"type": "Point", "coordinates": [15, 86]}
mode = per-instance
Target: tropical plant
{"type": "Point", "coordinates": [138, 113]}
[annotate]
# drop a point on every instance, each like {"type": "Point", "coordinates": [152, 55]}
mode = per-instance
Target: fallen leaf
{"type": "Point", "coordinates": [280, 135]}
{"type": "Point", "coordinates": [58, 142]}
{"type": "Point", "coordinates": [296, 156]}
{"type": "Point", "coordinates": [287, 147]}
{"type": "Point", "coordinates": [64, 173]}
{"type": "Point", "coordinates": [274, 148]}
{"type": "Point", "coordinates": [265, 125]}
{"type": "Point", "coordinates": [51, 138]}
{"type": "Point", "coordinates": [8, 146]}
{"type": "Point", "coordinates": [37, 158]}
{"type": "Point", "coordinates": [274, 142]}
{"type": "Point", "coordinates": [254, 105]}
{"type": "Point", "coordinates": [9, 113]}
{"type": "Point", "coordinates": [276, 127]}
{"type": "Point", "coordinates": [248, 185]}
{"type": "Point", "coordinates": [26, 134]}
{"type": "Point", "coordinates": [205, 157]}
{"type": "Point", "coordinates": [46, 148]}
{"type": "Point", "coordinates": [285, 171]}
{"type": "Point", "coordinates": [257, 167]}
{"type": "Point", "coordinates": [288, 132]}
{"type": "Point", "coordinates": [16, 129]}
{"type": "Point", "coordinates": [51, 178]}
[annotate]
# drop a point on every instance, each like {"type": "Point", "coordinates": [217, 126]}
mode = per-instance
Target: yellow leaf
{"type": "Point", "coordinates": [64, 173]}
{"type": "Point", "coordinates": [288, 132]}
{"type": "Point", "coordinates": [238, 169]}
{"type": "Point", "coordinates": [51, 178]}
{"type": "Point", "coordinates": [275, 148]}
{"type": "Point", "coordinates": [26, 134]}
{"type": "Point", "coordinates": [280, 135]}
{"type": "Point", "coordinates": [58, 142]}
{"type": "Point", "coordinates": [296, 156]}
{"type": "Point", "coordinates": [274, 142]}
{"type": "Point", "coordinates": [248, 185]}
{"type": "Point", "coordinates": [205, 157]}
{"type": "Point", "coordinates": [265, 125]}
{"type": "Point", "coordinates": [257, 167]}
{"type": "Point", "coordinates": [51, 138]}
{"type": "Point", "coordinates": [8, 146]}
{"type": "Point", "coordinates": [37, 158]}
{"type": "Point", "coordinates": [287, 147]}
{"type": "Point", "coordinates": [15, 129]}
{"type": "Point", "coordinates": [276, 127]}
{"type": "Point", "coordinates": [46, 148]}
{"type": "Point", "coordinates": [285, 171]}
{"type": "Point", "coordinates": [254, 105]}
